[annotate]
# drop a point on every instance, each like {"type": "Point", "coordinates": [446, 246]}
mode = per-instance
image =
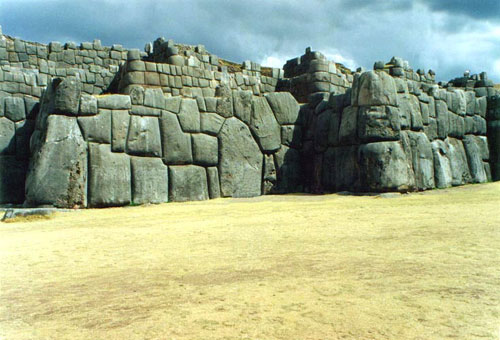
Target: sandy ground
{"type": "Point", "coordinates": [419, 266]}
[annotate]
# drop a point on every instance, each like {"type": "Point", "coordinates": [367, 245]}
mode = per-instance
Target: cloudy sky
{"type": "Point", "coordinates": [448, 36]}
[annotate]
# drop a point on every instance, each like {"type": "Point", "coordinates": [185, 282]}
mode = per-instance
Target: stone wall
{"type": "Point", "coordinates": [94, 126]}
{"type": "Point", "coordinates": [397, 133]}
{"type": "Point", "coordinates": [113, 150]}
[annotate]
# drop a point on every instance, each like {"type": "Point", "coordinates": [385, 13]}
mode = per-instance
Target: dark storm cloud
{"type": "Point", "coordinates": [446, 35]}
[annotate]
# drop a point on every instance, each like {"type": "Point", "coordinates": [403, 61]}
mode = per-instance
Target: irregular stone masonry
{"type": "Point", "coordinates": [94, 126]}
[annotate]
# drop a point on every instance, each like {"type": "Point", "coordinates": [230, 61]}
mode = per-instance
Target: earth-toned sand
{"type": "Point", "coordinates": [418, 266]}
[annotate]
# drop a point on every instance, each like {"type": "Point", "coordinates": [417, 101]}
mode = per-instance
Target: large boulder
{"type": "Point", "coordinates": [422, 160]}
{"type": "Point", "coordinates": [285, 107]}
{"type": "Point", "coordinates": [374, 88]}
{"type": "Point", "coordinates": [347, 168]}
{"type": "Point", "coordinates": [58, 166]}
{"type": "Point", "coordinates": [97, 128]}
{"type": "Point", "coordinates": [205, 149]}
{"type": "Point", "coordinates": [213, 182]}
{"type": "Point", "coordinates": [176, 144]}
{"type": "Point", "coordinates": [120, 120]}
{"type": "Point", "coordinates": [189, 115]}
{"type": "Point", "coordinates": [458, 162]}
{"type": "Point", "coordinates": [442, 167]}
{"type": "Point", "coordinates": [149, 180]}
{"type": "Point", "coordinates": [188, 183]}
{"type": "Point", "coordinates": [109, 177]}
{"type": "Point", "coordinates": [240, 161]}
{"type": "Point", "coordinates": [384, 167]}
{"type": "Point", "coordinates": [144, 137]}
{"type": "Point", "coordinates": [264, 126]}
{"type": "Point", "coordinates": [242, 102]}
{"type": "Point", "coordinates": [474, 159]}
{"type": "Point", "coordinates": [378, 123]}
{"type": "Point", "coordinates": [348, 126]}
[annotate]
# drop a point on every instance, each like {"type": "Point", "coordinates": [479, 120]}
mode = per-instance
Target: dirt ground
{"type": "Point", "coordinates": [418, 266]}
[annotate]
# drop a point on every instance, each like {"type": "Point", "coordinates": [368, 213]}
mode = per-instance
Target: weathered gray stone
{"type": "Point", "coordinates": [378, 123]}
{"type": "Point", "coordinates": [211, 123]}
{"type": "Point", "coordinates": [149, 180]}
{"type": "Point", "coordinates": [7, 137]}
{"type": "Point", "coordinates": [269, 184]}
{"type": "Point", "coordinates": [58, 166]}
{"type": "Point", "coordinates": [458, 162]}
{"type": "Point", "coordinates": [442, 167]}
{"type": "Point", "coordinates": [348, 126]}
{"type": "Point", "coordinates": [119, 130]}
{"type": "Point", "coordinates": [97, 128]}
{"type": "Point", "coordinates": [431, 130]}
{"type": "Point", "coordinates": [14, 108]}
{"type": "Point", "coordinates": [285, 107]}
{"type": "Point", "coordinates": [242, 102]}
{"type": "Point", "coordinates": [109, 177]}
{"type": "Point", "coordinates": [205, 149]}
{"type": "Point", "coordinates": [224, 102]}
{"type": "Point", "coordinates": [154, 98]}
{"type": "Point", "coordinates": [88, 105]}
{"type": "Point", "coordinates": [442, 119]}
{"type": "Point", "coordinates": [474, 159]}
{"type": "Point", "coordinates": [213, 182]}
{"type": "Point", "coordinates": [173, 104]}
{"type": "Point", "coordinates": [176, 144]}
{"type": "Point", "coordinates": [189, 116]}
{"type": "Point", "coordinates": [188, 183]}
{"type": "Point", "coordinates": [416, 116]}
{"type": "Point", "coordinates": [67, 95]}
{"type": "Point", "coordinates": [136, 94]}
{"type": "Point", "coordinates": [144, 137]}
{"type": "Point", "coordinates": [374, 88]}
{"type": "Point", "coordinates": [384, 167]}
{"type": "Point", "coordinates": [12, 178]}
{"type": "Point", "coordinates": [114, 102]}
{"type": "Point", "coordinates": [32, 107]}
{"type": "Point", "coordinates": [422, 160]}
{"type": "Point", "coordinates": [457, 125]}
{"type": "Point", "coordinates": [288, 170]}
{"type": "Point", "coordinates": [240, 161]}
{"type": "Point", "coordinates": [482, 142]}
{"type": "Point", "coordinates": [333, 131]}
{"type": "Point", "coordinates": [264, 126]}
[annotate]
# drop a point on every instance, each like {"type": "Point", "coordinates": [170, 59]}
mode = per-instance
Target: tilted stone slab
{"type": "Point", "coordinates": [149, 180]}
{"type": "Point", "coordinates": [144, 137]}
{"type": "Point", "coordinates": [109, 177]}
{"type": "Point", "coordinates": [176, 145]}
{"type": "Point", "coordinates": [285, 107]}
{"type": "Point", "coordinates": [96, 128]}
{"type": "Point", "coordinates": [240, 161]}
{"type": "Point", "coordinates": [58, 166]}
{"type": "Point", "coordinates": [264, 126]}
{"type": "Point", "coordinates": [188, 183]}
